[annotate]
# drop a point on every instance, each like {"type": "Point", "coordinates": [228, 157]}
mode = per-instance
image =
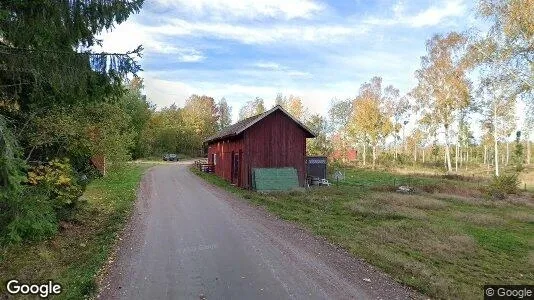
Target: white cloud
{"type": "Point", "coordinates": [246, 9]}
{"type": "Point", "coordinates": [248, 34]}
{"type": "Point", "coordinates": [435, 15]}
{"type": "Point", "coordinates": [272, 66]}
{"type": "Point", "coordinates": [166, 92]}
{"type": "Point", "coordinates": [431, 16]}
{"type": "Point", "coordinates": [267, 65]}
{"type": "Point", "coordinates": [129, 35]}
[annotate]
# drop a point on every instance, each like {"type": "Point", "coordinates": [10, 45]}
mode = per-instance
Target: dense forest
{"type": "Point", "coordinates": [62, 105]}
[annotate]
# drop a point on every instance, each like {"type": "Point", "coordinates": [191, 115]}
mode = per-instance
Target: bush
{"type": "Point", "coordinates": [500, 186]}
{"type": "Point", "coordinates": [59, 179]}
{"type": "Point", "coordinates": [28, 216]}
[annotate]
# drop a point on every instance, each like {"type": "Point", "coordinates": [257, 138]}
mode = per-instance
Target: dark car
{"type": "Point", "coordinates": [170, 157]}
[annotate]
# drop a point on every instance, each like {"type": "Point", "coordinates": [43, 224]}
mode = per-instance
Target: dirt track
{"type": "Point", "coordinates": [190, 240]}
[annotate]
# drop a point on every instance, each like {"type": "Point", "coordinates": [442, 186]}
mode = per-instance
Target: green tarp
{"type": "Point", "coordinates": [271, 179]}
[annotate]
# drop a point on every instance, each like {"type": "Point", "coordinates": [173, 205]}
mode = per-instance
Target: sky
{"type": "Point", "coordinates": [317, 50]}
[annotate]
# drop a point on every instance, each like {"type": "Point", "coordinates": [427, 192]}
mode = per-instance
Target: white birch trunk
{"type": "Point", "coordinates": [495, 140]}
{"type": "Point", "coordinates": [423, 155]}
{"type": "Point", "coordinates": [374, 156]}
{"type": "Point", "coordinates": [447, 150]}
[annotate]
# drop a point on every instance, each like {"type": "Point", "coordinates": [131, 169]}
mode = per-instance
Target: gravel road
{"type": "Point", "coordinates": [190, 240]}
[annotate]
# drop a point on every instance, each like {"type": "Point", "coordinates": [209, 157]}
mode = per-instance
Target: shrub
{"type": "Point", "coordinates": [28, 215]}
{"type": "Point", "coordinates": [59, 179]}
{"type": "Point", "coordinates": [502, 185]}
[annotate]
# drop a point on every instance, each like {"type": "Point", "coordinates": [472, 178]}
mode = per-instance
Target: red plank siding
{"type": "Point", "coordinates": [275, 141]}
{"type": "Point", "coordinates": [224, 150]}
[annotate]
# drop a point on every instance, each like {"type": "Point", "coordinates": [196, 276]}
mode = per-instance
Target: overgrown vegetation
{"type": "Point", "coordinates": [82, 245]}
{"type": "Point", "coordinates": [446, 240]}
{"type": "Point", "coordinates": [61, 105]}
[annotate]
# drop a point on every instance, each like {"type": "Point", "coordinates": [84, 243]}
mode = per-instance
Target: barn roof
{"type": "Point", "coordinates": [243, 125]}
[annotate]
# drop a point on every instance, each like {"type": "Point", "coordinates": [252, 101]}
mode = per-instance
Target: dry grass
{"type": "Point", "coordinates": [521, 216]}
{"type": "Point", "coordinates": [530, 259]}
{"type": "Point", "coordinates": [385, 211]}
{"type": "Point", "coordinates": [457, 189]}
{"type": "Point", "coordinates": [479, 201]}
{"type": "Point", "coordinates": [480, 219]}
{"type": "Point", "coordinates": [408, 200]}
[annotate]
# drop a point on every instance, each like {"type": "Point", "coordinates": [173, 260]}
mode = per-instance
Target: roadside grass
{"type": "Point", "coordinates": [75, 255]}
{"type": "Point", "coordinates": [447, 240]}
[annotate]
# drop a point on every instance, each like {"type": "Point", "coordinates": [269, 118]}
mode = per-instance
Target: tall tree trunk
{"type": "Point", "coordinates": [447, 150]}
{"type": "Point", "coordinates": [415, 154]}
{"type": "Point", "coordinates": [423, 155]}
{"type": "Point", "coordinates": [466, 157]}
{"type": "Point", "coordinates": [405, 146]}
{"type": "Point", "coordinates": [374, 156]}
{"type": "Point", "coordinates": [495, 140]}
{"type": "Point", "coordinates": [496, 154]}
{"type": "Point", "coordinates": [457, 147]}
{"type": "Point", "coordinates": [461, 156]}
{"type": "Point", "coordinates": [396, 147]}
{"type": "Point", "coordinates": [485, 154]}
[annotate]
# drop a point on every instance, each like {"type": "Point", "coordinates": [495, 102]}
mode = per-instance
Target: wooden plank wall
{"type": "Point", "coordinates": [274, 142]}
{"type": "Point", "coordinates": [224, 149]}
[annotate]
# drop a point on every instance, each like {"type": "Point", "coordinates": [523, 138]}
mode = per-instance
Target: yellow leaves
{"type": "Point", "coordinates": [63, 180]}
{"type": "Point", "coordinates": [55, 172]}
{"type": "Point", "coordinates": [33, 178]}
{"type": "Point", "coordinates": [371, 116]}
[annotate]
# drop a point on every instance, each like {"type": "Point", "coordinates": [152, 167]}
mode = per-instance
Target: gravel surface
{"type": "Point", "coordinates": [190, 240]}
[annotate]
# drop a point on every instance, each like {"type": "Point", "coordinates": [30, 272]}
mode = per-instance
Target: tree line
{"type": "Point", "coordinates": [462, 110]}
{"type": "Point", "coordinates": [62, 104]}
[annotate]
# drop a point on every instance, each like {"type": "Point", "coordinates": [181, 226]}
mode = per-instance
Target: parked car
{"type": "Point", "coordinates": [170, 157]}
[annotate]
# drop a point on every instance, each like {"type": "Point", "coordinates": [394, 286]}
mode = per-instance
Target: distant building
{"type": "Point", "coordinates": [342, 152]}
{"type": "Point", "coordinates": [273, 139]}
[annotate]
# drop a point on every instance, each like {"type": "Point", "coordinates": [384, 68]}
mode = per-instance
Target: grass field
{"type": "Point", "coordinates": [75, 255]}
{"type": "Point", "coordinates": [446, 240]}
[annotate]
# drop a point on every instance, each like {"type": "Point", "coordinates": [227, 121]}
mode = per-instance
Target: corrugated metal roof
{"type": "Point", "coordinates": [242, 125]}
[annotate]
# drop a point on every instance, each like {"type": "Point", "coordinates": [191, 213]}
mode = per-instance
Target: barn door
{"type": "Point", "coordinates": [235, 168]}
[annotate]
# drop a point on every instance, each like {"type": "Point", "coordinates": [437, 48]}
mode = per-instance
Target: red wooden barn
{"type": "Point", "coordinates": [273, 139]}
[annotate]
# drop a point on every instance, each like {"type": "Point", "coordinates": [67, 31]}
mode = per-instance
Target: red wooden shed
{"type": "Point", "coordinates": [273, 139]}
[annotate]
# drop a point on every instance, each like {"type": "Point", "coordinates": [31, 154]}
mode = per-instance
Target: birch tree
{"type": "Point", "coordinates": [508, 46]}
{"type": "Point", "coordinates": [252, 108]}
{"type": "Point", "coordinates": [443, 88]}
{"type": "Point", "coordinates": [398, 108]}
{"type": "Point", "coordinates": [296, 108]}
{"type": "Point", "coordinates": [225, 114]}
{"type": "Point", "coordinates": [370, 118]}
{"type": "Point", "coordinates": [499, 112]}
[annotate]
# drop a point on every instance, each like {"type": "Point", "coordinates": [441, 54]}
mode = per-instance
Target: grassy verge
{"type": "Point", "coordinates": [75, 255]}
{"type": "Point", "coordinates": [447, 240]}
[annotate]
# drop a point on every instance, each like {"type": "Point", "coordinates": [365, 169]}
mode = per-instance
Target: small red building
{"type": "Point", "coordinates": [273, 139]}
